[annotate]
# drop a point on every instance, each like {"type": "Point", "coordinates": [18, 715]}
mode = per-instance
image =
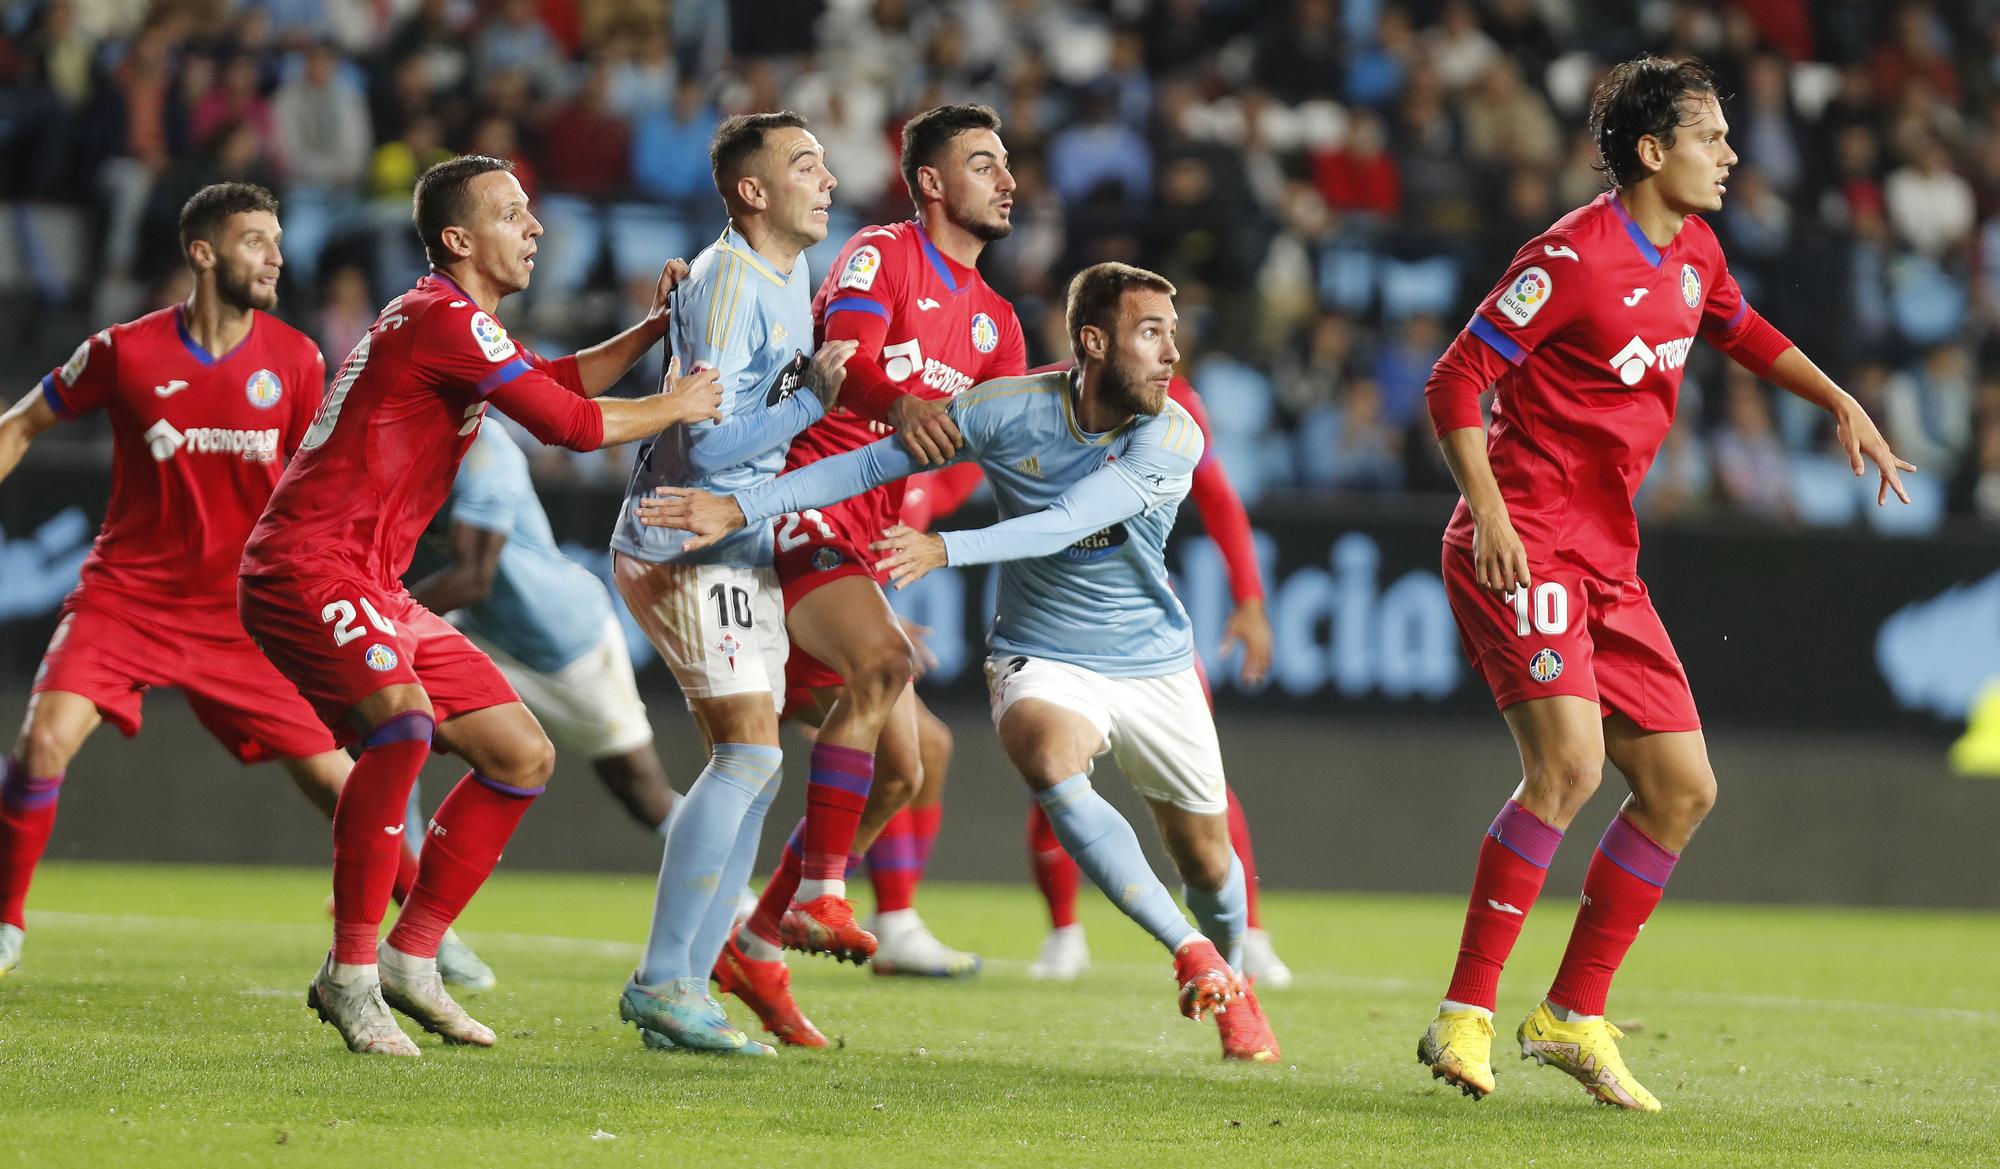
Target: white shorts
{"type": "Point", "coordinates": [720, 627]}
{"type": "Point", "coordinates": [1160, 730]}
{"type": "Point", "coordinates": [590, 706]}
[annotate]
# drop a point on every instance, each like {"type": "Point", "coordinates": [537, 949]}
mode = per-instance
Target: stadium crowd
{"type": "Point", "coordinates": [1332, 185]}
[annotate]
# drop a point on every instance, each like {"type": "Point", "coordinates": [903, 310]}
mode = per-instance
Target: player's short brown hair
{"type": "Point", "coordinates": [443, 198]}
{"type": "Point", "coordinates": [205, 214]}
{"type": "Point", "coordinates": [1644, 96]}
{"type": "Point", "coordinates": [738, 139]}
{"type": "Point", "coordinates": [926, 135]}
{"type": "Point", "coordinates": [1095, 293]}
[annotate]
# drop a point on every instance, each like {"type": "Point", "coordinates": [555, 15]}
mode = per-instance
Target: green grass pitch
{"type": "Point", "coordinates": [159, 1020]}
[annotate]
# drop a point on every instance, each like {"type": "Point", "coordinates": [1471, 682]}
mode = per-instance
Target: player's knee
{"type": "Point", "coordinates": [1695, 799]}
{"type": "Point", "coordinates": [528, 763]}
{"type": "Point", "coordinates": [1206, 869]}
{"type": "Point", "coordinates": [882, 672]}
{"type": "Point", "coordinates": [45, 749]}
{"type": "Point", "coordinates": [1567, 779]}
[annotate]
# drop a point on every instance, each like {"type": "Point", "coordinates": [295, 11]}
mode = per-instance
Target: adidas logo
{"type": "Point", "coordinates": [1032, 465]}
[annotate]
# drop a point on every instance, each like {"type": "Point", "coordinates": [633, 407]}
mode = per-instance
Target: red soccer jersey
{"type": "Point", "coordinates": [942, 331]}
{"type": "Point", "coordinates": [1596, 323]}
{"type": "Point", "coordinates": [380, 457]}
{"type": "Point", "coordinates": [199, 442]}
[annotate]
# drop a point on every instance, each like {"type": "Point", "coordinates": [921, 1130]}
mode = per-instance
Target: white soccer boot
{"type": "Point", "coordinates": [1261, 962]}
{"type": "Point", "coordinates": [357, 1011]}
{"type": "Point", "coordinates": [905, 945]}
{"type": "Point", "coordinates": [1064, 955]}
{"type": "Point", "coordinates": [412, 986]}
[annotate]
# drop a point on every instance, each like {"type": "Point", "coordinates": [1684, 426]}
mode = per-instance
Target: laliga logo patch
{"type": "Point", "coordinates": [73, 368]}
{"type": "Point", "coordinates": [1690, 286]}
{"type": "Point", "coordinates": [827, 558]}
{"type": "Point", "coordinates": [491, 338]}
{"type": "Point", "coordinates": [985, 334]}
{"type": "Point", "coordinates": [1546, 665]}
{"type": "Point", "coordinates": [380, 657]}
{"type": "Point", "coordinates": [1526, 296]}
{"type": "Point", "coordinates": [859, 274]}
{"type": "Point", "coordinates": [263, 389]}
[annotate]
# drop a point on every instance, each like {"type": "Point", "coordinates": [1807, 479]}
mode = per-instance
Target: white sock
{"type": "Point", "coordinates": [756, 948]}
{"type": "Point", "coordinates": [1569, 1016]}
{"type": "Point", "coordinates": [814, 890]}
{"type": "Point", "coordinates": [354, 974]}
{"type": "Point", "coordinates": [896, 921]}
{"type": "Point", "coordinates": [1451, 1005]}
{"type": "Point", "coordinates": [404, 965]}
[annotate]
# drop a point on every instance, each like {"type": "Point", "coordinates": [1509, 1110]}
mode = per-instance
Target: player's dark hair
{"type": "Point", "coordinates": [443, 198]}
{"type": "Point", "coordinates": [205, 214]}
{"type": "Point", "coordinates": [926, 136]}
{"type": "Point", "coordinates": [1095, 293]}
{"type": "Point", "coordinates": [738, 139]}
{"type": "Point", "coordinates": [1647, 95]}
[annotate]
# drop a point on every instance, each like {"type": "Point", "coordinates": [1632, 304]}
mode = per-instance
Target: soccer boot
{"type": "Point", "coordinates": [11, 937]}
{"type": "Point", "coordinates": [826, 925]}
{"type": "Point", "coordinates": [1458, 1048]}
{"type": "Point", "coordinates": [766, 988]}
{"type": "Point", "coordinates": [460, 967]}
{"type": "Point", "coordinates": [1207, 982]}
{"type": "Point", "coordinates": [1262, 964]}
{"type": "Point", "coordinates": [413, 986]}
{"type": "Point", "coordinates": [1588, 1051]}
{"type": "Point", "coordinates": [911, 948]}
{"type": "Point", "coordinates": [359, 1014]}
{"type": "Point", "coordinates": [1064, 955]}
{"type": "Point", "coordinates": [682, 1013]}
{"type": "Point", "coordinates": [1246, 1033]}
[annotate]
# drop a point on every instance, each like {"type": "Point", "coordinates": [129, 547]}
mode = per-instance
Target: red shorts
{"type": "Point", "coordinates": [112, 651]}
{"type": "Point", "coordinates": [340, 642]}
{"type": "Point", "coordinates": [814, 548]}
{"type": "Point", "coordinates": [1574, 633]}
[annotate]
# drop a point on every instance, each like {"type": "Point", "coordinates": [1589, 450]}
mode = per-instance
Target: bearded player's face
{"type": "Point", "coordinates": [978, 187]}
{"type": "Point", "coordinates": [248, 260]}
{"type": "Point", "coordinates": [1143, 354]}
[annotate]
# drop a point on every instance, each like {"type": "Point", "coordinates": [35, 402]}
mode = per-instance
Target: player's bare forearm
{"type": "Point", "coordinates": [1794, 372]}
{"type": "Point", "coordinates": [600, 366]}
{"type": "Point", "coordinates": [696, 397]}
{"type": "Point", "coordinates": [1249, 627]}
{"type": "Point", "coordinates": [1499, 559]}
{"type": "Point", "coordinates": [18, 427]}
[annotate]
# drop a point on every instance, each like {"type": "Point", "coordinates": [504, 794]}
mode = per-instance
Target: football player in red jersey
{"type": "Point", "coordinates": [320, 588]}
{"type": "Point", "coordinates": [927, 326]}
{"type": "Point", "coordinates": [207, 400]}
{"type": "Point", "coordinates": [1583, 341]}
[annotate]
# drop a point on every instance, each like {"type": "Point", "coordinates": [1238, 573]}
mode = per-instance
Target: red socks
{"type": "Point", "coordinates": [894, 863]}
{"type": "Point", "coordinates": [1513, 861]}
{"type": "Point", "coordinates": [1627, 876]}
{"type": "Point", "coordinates": [777, 896]}
{"type": "Point", "coordinates": [27, 816]}
{"type": "Point", "coordinates": [1056, 875]}
{"type": "Point", "coordinates": [1239, 841]}
{"type": "Point", "coordinates": [471, 827]}
{"type": "Point", "coordinates": [368, 831]}
{"type": "Point", "coordinates": [836, 792]}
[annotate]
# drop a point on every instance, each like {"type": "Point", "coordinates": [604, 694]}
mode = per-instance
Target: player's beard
{"type": "Point", "coordinates": [242, 292]}
{"type": "Point", "coordinates": [1127, 392]}
{"type": "Point", "coordinates": [990, 229]}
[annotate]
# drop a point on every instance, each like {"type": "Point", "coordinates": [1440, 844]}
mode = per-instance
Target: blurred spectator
{"type": "Point", "coordinates": [1928, 408]}
{"type": "Point", "coordinates": [1350, 446]}
{"type": "Point", "coordinates": [1299, 50]}
{"type": "Point", "coordinates": [323, 125]}
{"type": "Point", "coordinates": [670, 147]}
{"type": "Point", "coordinates": [1360, 175]}
{"type": "Point", "coordinates": [1507, 122]}
{"type": "Point", "coordinates": [586, 146]}
{"type": "Point", "coordinates": [1097, 152]}
{"type": "Point", "coordinates": [1766, 129]}
{"type": "Point", "coordinates": [1929, 205]}
{"type": "Point", "coordinates": [1458, 48]}
{"type": "Point", "coordinates": [1678, 485]}
{"type": "Point", "coordinates": [1750, 463]}
{"type": "Point", "coordinates": [345, 315]}
{"type": "Point", "coordinates": [644, 77]}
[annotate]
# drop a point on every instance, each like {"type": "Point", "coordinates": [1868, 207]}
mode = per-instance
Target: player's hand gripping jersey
{"type": "Point", "coordinates": [1594, 325]}
{"type": "Point", "coordinates": [927, 326]}
{"type": "Point", "coordinates": [199, 442]}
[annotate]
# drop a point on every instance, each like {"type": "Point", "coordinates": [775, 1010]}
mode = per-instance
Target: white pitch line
{"type": "Point", "coordinates": [604, 947]}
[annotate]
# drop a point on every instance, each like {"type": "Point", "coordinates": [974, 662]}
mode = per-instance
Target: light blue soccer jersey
{"type": "Point", "coordinates": [1084, 521]}
{"type": "Point", "coordinates": [545, 610]}
{"type": "Point", "coordinates": [736, 313]}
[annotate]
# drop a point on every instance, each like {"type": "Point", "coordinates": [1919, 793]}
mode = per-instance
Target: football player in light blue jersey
{"type": "Point", "coordinates": [715, 612]}
{"type": "Point", "coordinates": [1091, 649]}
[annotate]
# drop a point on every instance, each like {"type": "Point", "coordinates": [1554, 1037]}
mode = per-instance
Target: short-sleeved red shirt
{"type": "Point", "coordinates": [198, 444]}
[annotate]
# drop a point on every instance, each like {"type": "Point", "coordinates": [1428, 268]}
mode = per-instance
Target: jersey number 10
{"type": "Point", "coordinates": [1546, 612]}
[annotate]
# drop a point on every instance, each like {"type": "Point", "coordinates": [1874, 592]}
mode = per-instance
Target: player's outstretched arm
{"type": "Point", "coordinates": [711, 517]}
{"type": "Point", "coordinates": [1859, 436]}
{"type": "Point", "coordinates": [555, 415]}
{"type": "Point", "coordinates": [684, 398]}
{"type": "Point", "coordinates": [813, 388]}
{"type": "Point", "coordinates": [600, 366]}
{"type": "Point", "coordinates": [1104, 497]}
{"type": "Point", "coordinates": [20, 424]}
{"type": "Point", "coordinates": [468, 579]}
